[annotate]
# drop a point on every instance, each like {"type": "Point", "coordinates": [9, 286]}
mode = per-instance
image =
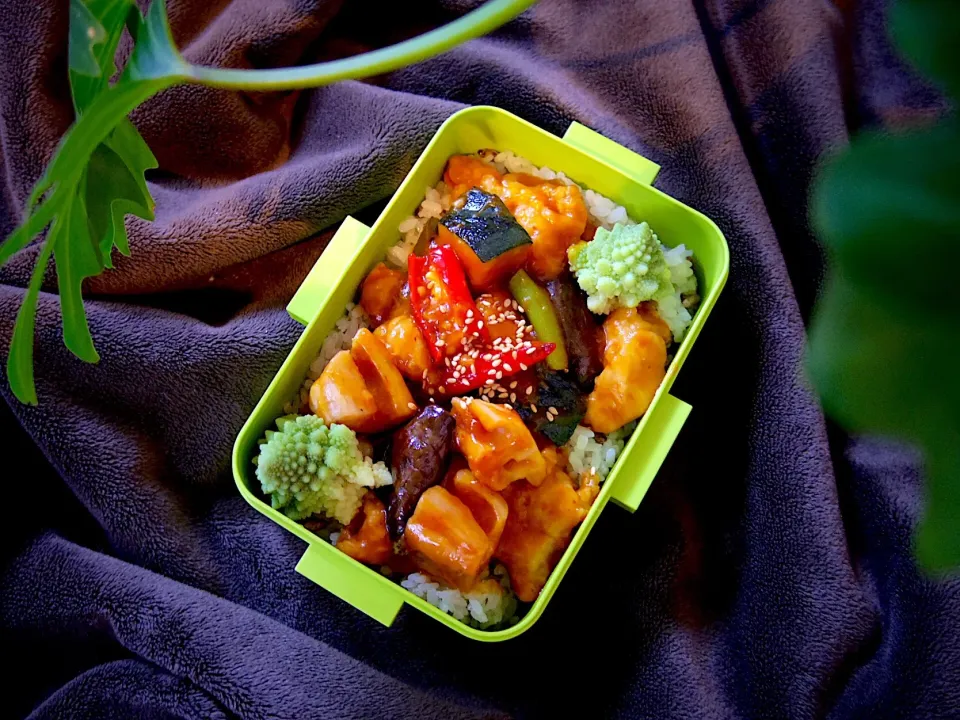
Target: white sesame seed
{"type": "Point", "coordinates": [513, 397]}
{"type": "Point", "coordinates": [508, 406]}
{"type": "Point", "coordinates": [513, 384]}
{"type": "Point", "coordinates": [496, 362]}
{"type": "Point", "coordinates": [520, 309]}
{"type": "Point", "coordinates": [489, 382]}
{"type": "Point", "coordinates": [507, 368]}
{"type": "Point", "coordinates": [442, 390]}
{"type": "Point", "coordinates": [480, 325]}
{"type": "Point", "coordinates": [411, 406]}
{"type": "Point", "coordinates": [522, 366]}
{"type": "Point", "coordinates": [530, 390]}
{"type": "Point", "coordinates": [499, 375]}
{"type": "Point", "coordinates": [533, 407]}
{"type": "Point", "coordinates": [553, 410]}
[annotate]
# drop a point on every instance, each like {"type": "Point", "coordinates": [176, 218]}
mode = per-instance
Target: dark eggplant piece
{"type": "Point", "coordinates": [419, 457]}
{"type": "Point", "coordinates": [489, 242]}
{"type": "Point", "coordinates": [554, 392]}
{"type": "Point", "coordinates": [582, 333]}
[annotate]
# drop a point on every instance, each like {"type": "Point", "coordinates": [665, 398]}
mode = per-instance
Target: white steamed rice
{"type": "Point", "coordinates": [588, 450]}
{"type": "Point", "coordinates": [484, 607]}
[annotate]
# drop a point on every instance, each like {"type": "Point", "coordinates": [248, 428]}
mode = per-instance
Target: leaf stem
{"type": "Point", "coordinates": [478, 22]}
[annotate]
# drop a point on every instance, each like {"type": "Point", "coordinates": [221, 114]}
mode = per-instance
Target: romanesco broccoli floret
{"type": "Point", "coordinates": [620, 268]}
{"type": "Point", "coordinates": [310, 468]}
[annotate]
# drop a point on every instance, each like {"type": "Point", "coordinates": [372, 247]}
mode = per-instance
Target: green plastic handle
{"type": "Point", "coordinates": [650, 449]}
{"type": "Point", "coordinates": [627, 161]}
{"type": "Point", "coordinates": [365, 589]}
{"type": "Point", "coordinates": [327, 271]}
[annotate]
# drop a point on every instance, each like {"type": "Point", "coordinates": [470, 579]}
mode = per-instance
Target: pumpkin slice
{"type": "Point", "coordinates": [488, 240]}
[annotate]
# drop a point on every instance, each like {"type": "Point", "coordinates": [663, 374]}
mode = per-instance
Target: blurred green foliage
{"type": "Point", "coordinates": [884, 349]}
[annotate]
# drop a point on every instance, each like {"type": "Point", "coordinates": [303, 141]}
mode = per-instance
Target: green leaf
{"type": "Point", "coordinates": [109, 16]}
{"type": "Point", "coordinates": [927, 32]}
{"type": "Point", "coordinates": [77, 256]}
{"type": "Point", "coordinates": [120, 189]}
{"type": "Point", "coordinates": [888, 209]}
{"type": "Point", "coordinates": [885, 338]}
{"type": "Point", "coordinates": [879, 371]}
{"type": "Point", "coordinates": [85, 32]}
{"type": "Point", "coordinates": [154, 56]}
{"type": "Point", "coordinates": [20, 359]}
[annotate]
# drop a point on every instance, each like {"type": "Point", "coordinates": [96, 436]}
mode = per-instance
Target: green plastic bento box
{"type": "Point", "coordinates": [593, 161]}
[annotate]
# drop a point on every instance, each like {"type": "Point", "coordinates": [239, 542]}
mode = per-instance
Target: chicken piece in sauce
{"type": "Point", "coordinates": [498, 447]}
{"type": "Point", "coordinates": [340, 395]}
{"type": "Point", "coordinates": [540, 521]}
{"type": "Point", "coordinates": [405, 343]}
{"type": "Point", "coordinates": [634, 365]}
{"type": "Point", "coordinates": [366, 538]}
{"type": "Point", "coordinates": [381, 291]}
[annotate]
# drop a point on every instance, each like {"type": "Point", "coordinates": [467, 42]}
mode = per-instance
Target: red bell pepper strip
{"type": "Point", "coordinates": [477, 367]}
{"type": "Point", "coordinates": [442, 305]}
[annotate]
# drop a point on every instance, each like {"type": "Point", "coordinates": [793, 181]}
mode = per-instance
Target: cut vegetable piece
{"type": "Point", "coordinates": [502, 317]}
{"type": "Point", "coordinates": [497, 445]}
{"type": "Point", "coordinates": [560, 406]}
{"type": "Point", "coordinates": [488, 508]}
{"type": "Point", "coordinates": [366, 539]}
{"type": "Point", "coordinates": [405, 343]}
{"type": "Point", "coordinates": [489, 241]}
{"type": "Point", "coordinates": [582, 334]}
{"type": "Point", "coordinates": [634, 363]}
{"type": "Point", "coordinates": [340, 395]}
{"type": "Point", "coordinates": [489, 366]}
{"type": "Point", "coordinates": [381, 292]}
{"type": "Point", "coordinates": [383, 380]}
{"type": "Point", "coordinates": [419, 459]}
{"type": "Point", "coordinates": [445, 540]}
{"type": "Point", "coordinates": [443, 307]}
{"type": "Point", "coordinates": [538, 306]}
